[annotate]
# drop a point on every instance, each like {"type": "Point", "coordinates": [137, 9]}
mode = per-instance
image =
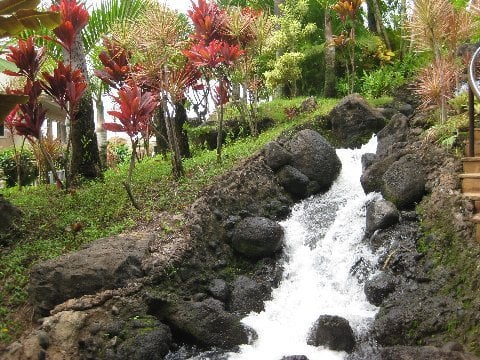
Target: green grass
{"type": "Point", "coordinates": [104, 209]}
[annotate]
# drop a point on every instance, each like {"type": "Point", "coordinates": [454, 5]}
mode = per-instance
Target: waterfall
{"type": "Point", "coordinates": [322, 241]}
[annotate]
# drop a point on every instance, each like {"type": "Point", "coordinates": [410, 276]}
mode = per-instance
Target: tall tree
{"type": "Point", "coordinates": [85, 158]}
{"type": "Point", "coordinates": [108, 14]}
{"type": "Point", "coordinates": [329, 89]}
{"type": "Point", "coordinates": [374, 7]}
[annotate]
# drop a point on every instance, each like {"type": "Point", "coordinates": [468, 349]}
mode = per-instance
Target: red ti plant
{"type": "Point", "coordinates": [66, 87]}
{"type": "Point", "coordinates": [74, 18]}
{"type": "Point", "coordinates": [116, 64]}
{"type": "Point", "coordinates": [27, 119]}
{"type": "Point", "coordinates": [216, 59]}
{"type": "Point", "coordinates": [136, 109]}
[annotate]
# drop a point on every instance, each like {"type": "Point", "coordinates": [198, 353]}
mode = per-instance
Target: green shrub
{"type": "Point", "coordinates": [381, 82]}
{"type": "Point", "coordinates": [118, 152]}
{"type": "Point", "coordinates": [28, 168]}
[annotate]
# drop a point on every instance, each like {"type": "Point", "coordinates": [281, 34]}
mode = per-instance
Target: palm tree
{"type": "Point", "coordinates": [85, 150]}
{"type": "Point", "coordinates": [102, 19]}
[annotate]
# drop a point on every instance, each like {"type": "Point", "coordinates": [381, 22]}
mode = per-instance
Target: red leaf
{"type": "Point", "coordinates": [136, 109]}
{"type": "Point", "coordinates": [74, 18]}
{"type": "Point", "coordinates": [115, 127]}
{"type": "Point", "coordinates": [27, 58]}
{"type": "Point", "coordinates": [65, 86]}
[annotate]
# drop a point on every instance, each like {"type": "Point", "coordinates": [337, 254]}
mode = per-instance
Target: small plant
{"type": "Point", "coordinates": [291, 112]}
{"type": "Point", "coordinates": [136, 109]}
{"type": "Point", "coordinates": [28, 170]}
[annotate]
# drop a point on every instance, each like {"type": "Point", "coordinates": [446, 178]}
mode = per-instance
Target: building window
{"type": "Point", "coordinates": [2, 130]}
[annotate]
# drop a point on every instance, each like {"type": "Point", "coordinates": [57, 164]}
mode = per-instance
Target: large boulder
{"type": "Point", "coordinates": [380, 214]}
{"type": "Point", "coordinates": [354, 121]}
{"type": "Point", "coordinates": [207, 323]}
{"type": "Point", "coordinates": [219, 289]}
{"type": "Point", "coordinates": [276, 155]}
{"type": "Point", "coordinates": [295, 357]}
{"type": "Point", "coordinates": [257, 237]}
{"type": "Point", "coordinates": [248, 295]}
{"type": "Point", "coordinates": [378, 287]}
{"type": "Point", "coordinates": [395, 132]}
{"type": "Point", "coordinates": [404, 182]}
{"type": "Point", "coordinates": [293, 181]}
{"type": "Point", "coordinates": [371, 179]}
{"type": "Point", "coordinates": [108, 263]}
{"type": "Point", "coordinates": [147, 339]}
{"type": "Point", "coordinates": [333, 332]}
{"type": "Point", "coordinates": [314, 157]}
{"type": "Point", "coordinates": [8, 215]}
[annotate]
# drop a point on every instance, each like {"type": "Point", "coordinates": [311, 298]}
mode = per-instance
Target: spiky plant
{"type": "Point", "coordinates": [435, 84]}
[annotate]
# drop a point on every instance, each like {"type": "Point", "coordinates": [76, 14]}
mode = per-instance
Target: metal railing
{"type": "Point", "coordinates": [473, 91]}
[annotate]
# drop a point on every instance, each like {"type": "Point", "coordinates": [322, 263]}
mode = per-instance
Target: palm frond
{"type": "Point", "coordinates": [108, 13]}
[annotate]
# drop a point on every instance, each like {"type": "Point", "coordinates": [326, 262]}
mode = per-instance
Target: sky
{"type": "Point", "coordinates": [180, 5]}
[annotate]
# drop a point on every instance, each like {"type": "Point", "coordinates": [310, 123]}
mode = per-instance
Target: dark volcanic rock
{"type": "Point", "coordinates": [367, 160]}
{"type": "Point", "coordinates": [206, 323]}
{"type": "Point", "coordinates": [371, 178]}
{"type": "Point", "coordinates": [104, 264]}
{"type": "Point", "coordinates": [8, 215]}
{"type": "Point", "coordinates": [354, 121]}
{"type": "Point", "coordinates": [404, 182]}
{"type": "Point", "coordinates": [293, 181]}
{"type": "Point", "coordinates": [149, 341]}
{"type": "Point", "coordinates": [276, 155]}
{"type": "Point", "coordinates": [395, 132]}
{"type": "Point", "coordinates": [219, 289]}
{"type": "Point", "coordinates": [380, 214]}
{"type": "Point", "coordinates": [422, 353]}
{"type": "Point", "coordinates": [257, 237]}
{"type": "Point", "coordinates": [314, 157]}
{"type": "Point", "coordinates": [379, 287]}
{"type": "Point", "coordinates": [248, 295]}
{"type": "Point", "coordinates": [332, 332]}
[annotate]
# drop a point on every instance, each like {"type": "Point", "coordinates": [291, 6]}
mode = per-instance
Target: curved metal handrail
{"type": "Point", "coordinates": [471, 74]}
{"type": "Point", "coordinates": [474, 90]}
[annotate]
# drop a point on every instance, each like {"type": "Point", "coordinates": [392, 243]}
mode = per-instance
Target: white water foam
{"type": "Point", "coordinates": [322, 242]}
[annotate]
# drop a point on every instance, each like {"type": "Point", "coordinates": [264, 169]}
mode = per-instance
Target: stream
{"type": "Point", "coordinates": [322, 242]}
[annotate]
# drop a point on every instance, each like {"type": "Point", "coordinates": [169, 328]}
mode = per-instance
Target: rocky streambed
{"type": "Point", "coordinates": [145, 295]}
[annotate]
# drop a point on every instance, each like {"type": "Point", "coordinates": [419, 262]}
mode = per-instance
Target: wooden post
{"type": "Point", "coordinates": [471, 125]}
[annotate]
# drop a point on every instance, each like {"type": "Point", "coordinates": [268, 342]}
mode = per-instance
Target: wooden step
{"type": "Point", "coordinates": [472, 195]}
{"type": "Point", "coordinates": [475, 219]}
{"type": "Point", "coordinates": [471, 165]}
{"type": "Point", "coordinates": [470, 182]}
{"type": "Point", "coordinates": [475, 198]}
{"type": "Point", "coordinates": [476, 149]}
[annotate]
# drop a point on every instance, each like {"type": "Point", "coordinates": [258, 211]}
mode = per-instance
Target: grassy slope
{"type": "Point", "coordinates": [103, 208]}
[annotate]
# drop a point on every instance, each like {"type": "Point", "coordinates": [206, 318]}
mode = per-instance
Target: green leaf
{"type": "Point", "coordinates": [7, 65]}
{"type": "Point", "coordinates": [28, 19]}
{"type": "Point", "coordinates": [8, 7]}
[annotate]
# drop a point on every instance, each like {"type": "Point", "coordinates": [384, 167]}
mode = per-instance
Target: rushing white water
{"type": "Point", "coordinates": [322, 242]}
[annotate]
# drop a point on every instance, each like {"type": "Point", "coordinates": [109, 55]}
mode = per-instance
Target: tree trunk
{"type": "Point", "coordinates": [180, 120]}
{"type": "Point", "coordinates": [372, 23]}
{"type": "Point", "coordinates": [220, 133]}
{"type": "Point", "coordinates": [379, 22]}
{"type": "Point", "coordinates": [281, 90]}
{"type": "Point", "coordinates": [329, 89]}
{"type": "Point", "coordinates": [101, 132]}
{"type": "Point", "coordinates": [160, 130]}
{"type": "Point", "coordinates": [85, 160]}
